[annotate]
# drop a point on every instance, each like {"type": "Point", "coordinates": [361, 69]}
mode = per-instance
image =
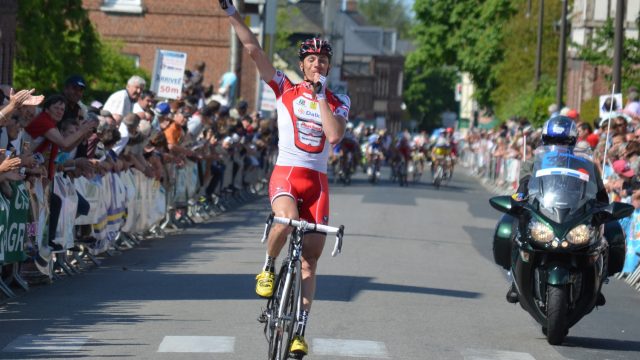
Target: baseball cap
{"type": "Point", "coordinates": [572, 113]}
{"type": "Point", "coordinates": [76, 80]}
{"type": "Point", "coordinates": [162, 109]}
{"type": "Point", "coordinates": [621, 167]}
{"type": "Point", "coordinates": [242, 105]}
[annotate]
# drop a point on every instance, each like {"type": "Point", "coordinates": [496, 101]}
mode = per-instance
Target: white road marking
{"type": "Point", "coordinates": [197, 344]}
{"type": "Point", "coordinates": [476, 354]}
{"type": "Point", "coordinates": [350, 348]}
{"type": "Point", "coordinates": [36, 343]}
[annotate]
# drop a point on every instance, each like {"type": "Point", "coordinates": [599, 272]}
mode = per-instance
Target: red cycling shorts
{"type": "Point", "coordinates": [309, 188]}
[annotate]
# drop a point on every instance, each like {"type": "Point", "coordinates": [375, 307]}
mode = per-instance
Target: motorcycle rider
{"type": "Point", "coordinates": [558, 130]}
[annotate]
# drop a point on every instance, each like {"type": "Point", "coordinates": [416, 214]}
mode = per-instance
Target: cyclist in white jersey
{"type": "Point", "coordinates": [310, 119]}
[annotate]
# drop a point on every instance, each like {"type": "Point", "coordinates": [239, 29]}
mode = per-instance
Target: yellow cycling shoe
{"type": "Point", "coordinates": [264, 284]}
{"type": "Point", "coordinates": [299, 346]}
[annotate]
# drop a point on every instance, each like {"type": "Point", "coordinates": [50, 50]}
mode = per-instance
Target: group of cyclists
{"type": "Point", "coordinates": [407, 155]}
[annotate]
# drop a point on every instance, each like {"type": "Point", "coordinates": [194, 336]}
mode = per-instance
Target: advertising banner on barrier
{"type": "Point", "coordinates": [168, 74]}
{"type": "Point", "coordinates": [13, 224]}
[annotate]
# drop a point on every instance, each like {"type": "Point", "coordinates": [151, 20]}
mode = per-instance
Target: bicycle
{"type": "Point", "coordinates": [284, 308]}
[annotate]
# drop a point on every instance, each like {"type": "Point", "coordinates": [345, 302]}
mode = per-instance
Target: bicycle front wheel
{"type": "Point", "coordinates": [437, 179]}
{"type": "Point", "coordinates": [284, 309]}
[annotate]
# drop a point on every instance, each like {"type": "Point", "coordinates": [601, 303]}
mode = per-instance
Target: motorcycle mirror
{"type": "Point", "coordinates": [621, 210]}
{"type": "Point", "coordinates": [613, 211]}
{"type": "Point", "coordinates": [501, 203]}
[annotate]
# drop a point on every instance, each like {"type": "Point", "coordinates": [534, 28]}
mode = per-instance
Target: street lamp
{"type": "Point", "coordinates": [562, 54]}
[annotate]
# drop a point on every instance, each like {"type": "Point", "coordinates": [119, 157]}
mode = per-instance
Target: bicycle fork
{"type": "Point", "coordinates": [294, 317]}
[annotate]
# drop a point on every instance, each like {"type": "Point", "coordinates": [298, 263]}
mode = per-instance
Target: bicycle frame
{"type": "Point", "coordinates": [292, 266]}
{"type": "Point", "coordinates": [285, 321]}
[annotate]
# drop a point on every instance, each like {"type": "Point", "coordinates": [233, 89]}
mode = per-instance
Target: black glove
{"type": "Point", "coordinates": [227, 6]}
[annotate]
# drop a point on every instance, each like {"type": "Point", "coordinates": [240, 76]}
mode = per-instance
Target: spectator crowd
{"type": "Point", "coordinates": [48, 143]}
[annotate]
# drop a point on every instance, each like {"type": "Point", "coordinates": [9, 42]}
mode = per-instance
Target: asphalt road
{"type": "Point", "coordinates": [416, 280]}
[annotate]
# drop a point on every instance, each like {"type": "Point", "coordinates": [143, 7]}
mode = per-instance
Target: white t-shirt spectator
{"type": "Point", "coordinates": [137, 108]}
{"type": "Point", "coordinates": [195, 125]}
{"type": "Point", "coordinates": [124, 139]}
{"type": "Point", "coordinates": [119, 103]}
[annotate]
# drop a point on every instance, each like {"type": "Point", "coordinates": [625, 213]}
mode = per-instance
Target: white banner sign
{"type": "Point", "coordinates": [609, 104]}
{"type": "Point", "coordinates": [268, 100]}
{"type": "Point", "coordinates": [168, 74]}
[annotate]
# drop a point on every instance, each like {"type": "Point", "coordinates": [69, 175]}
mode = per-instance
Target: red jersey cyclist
{"type": "Point", "coordinates": [310, 120]}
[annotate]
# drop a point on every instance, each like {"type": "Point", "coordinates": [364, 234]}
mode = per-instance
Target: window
{"type": "Point", "coordinates": [135, 58]}
{"type": "Point", "coordinates": [122, 6]}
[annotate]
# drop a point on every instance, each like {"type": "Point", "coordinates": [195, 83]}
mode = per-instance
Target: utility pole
{"type": "Point", "coordinates": [539, 45]}
{"type": "Point", "coordinates": [618, 45]}
{"type": "Point", "coordinates": [235, 56]}
{"type": "Point", "coordinates": [562, 54]}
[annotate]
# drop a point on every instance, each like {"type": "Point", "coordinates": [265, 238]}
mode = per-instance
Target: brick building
{"type": "Point", "coordinates": [585, 81]}
{"type": "Point", "coordinates": [197, 27]}
{"type": "Point", "coordinates": [8, 12]}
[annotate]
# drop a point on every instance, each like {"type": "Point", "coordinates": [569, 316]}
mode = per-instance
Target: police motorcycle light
{"type": "Point", "coordinates": [541, 232]}
{"type": "Point", "coordinates": [580, 235]}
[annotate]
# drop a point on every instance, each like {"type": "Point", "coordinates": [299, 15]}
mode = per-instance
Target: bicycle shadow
{"type": "Point", "coordinates": [347, 288]}
{"type": "Point", "coordinates": [601, 344]}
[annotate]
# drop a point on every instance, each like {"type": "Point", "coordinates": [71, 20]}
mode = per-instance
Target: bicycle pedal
{"type": "Point", "coordinates": [262, 318]}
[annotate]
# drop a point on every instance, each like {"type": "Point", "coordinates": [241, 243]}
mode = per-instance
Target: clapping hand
{"type": "Point", "coordinates": [25, 97]}
{"type": "Point", "coordinates": [10, 164]}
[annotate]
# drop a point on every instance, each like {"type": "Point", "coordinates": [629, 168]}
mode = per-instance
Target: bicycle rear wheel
{"type": "Point", "coordinates": [437, 179]}
{"type": "Point", "coordinates": [283, 322]}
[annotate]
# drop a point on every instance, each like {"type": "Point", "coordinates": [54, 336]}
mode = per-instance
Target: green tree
{"type": "Point", "coordinates": [515, 93]}
{"type": "Point", "coordinates": [55, 38]}
{"type": "Point", "coordinates": [284, 30]}
{"type": "Point", "coordinates": [430, 93]}
{"type": "Point", "coordinates": [387, 14]}
{"type": "Point", "coordinates": [479, 44]}
{"type": "Point", "coordinates": [465, 36]}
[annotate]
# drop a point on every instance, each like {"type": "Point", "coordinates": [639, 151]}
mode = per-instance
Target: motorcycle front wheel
{"type": "Point", "coordinates": [557, 308]}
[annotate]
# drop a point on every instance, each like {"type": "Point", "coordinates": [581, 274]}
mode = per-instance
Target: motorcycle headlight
{"type": "Point", "coordinates": [541, 232]}
{"type": "Point", "coordinates": [580, 235]}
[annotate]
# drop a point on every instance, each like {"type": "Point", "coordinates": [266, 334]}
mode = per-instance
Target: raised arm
{"type": "Point", "coordinates": [70, 142]}
{"type": "Point", "coordinates": [249, 41]}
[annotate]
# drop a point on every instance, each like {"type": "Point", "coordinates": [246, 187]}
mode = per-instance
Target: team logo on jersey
{"type": "Point", "coordinates": [306, 110]}
{"type": "Point", "coordinates": [309, 133]}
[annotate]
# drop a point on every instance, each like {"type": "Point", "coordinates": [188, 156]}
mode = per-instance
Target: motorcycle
{"type": "Point", "coordinates": [560, 244]}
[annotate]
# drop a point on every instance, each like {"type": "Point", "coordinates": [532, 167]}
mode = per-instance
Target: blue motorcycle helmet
{"type": "Point", "coordinates": [559, 130]}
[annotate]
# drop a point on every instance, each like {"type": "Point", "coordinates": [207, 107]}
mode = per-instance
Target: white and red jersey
{"type": "Point", "coordinates": [302, 142]}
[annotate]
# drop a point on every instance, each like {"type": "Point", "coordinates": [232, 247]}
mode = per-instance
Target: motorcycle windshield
{"type": "Point", "coordinates": [562, 182]}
